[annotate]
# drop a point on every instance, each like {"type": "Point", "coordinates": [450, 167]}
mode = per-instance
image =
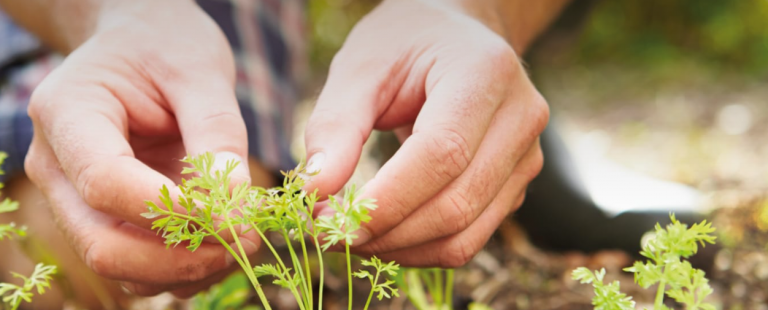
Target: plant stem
{"type": "Point", "coordinates": [439, 287]}
{"type": "Point", "coordinates": [449, 288]}
{"type": "Point", "coordinates": [660, 295]}
{"type": "Point", "coordinates": [349, 274]}
{"type": "Point", "coordinates": [432, 287]}
{"type": "Point", "coordinates": [246, 265]}
{"type": "Point", "coordinates": [322, 273]}
{"type": "Point", "coordinates": [295, 293]}
{"type": "Point", "coordinates": [297, 268]}
{"type": "Point", "coordinates": [373, 285]}
{"type": "Point", "coordinates": [659, 301]}
{"type": "Point", "coordinates": [306, 266]}
{"type": "Point", "coordinates": [266, 241]}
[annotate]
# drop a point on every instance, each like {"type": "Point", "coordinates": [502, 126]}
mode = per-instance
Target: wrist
{"type": "Point", "coordinates": [104, 15]}
{"type": "Point", "coordinates": [519, 22]}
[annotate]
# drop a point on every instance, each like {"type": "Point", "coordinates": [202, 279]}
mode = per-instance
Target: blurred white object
{"type": "Point", "coordinates": [734, 119]}
{"type": "Point", "coordinates": [616, 189]}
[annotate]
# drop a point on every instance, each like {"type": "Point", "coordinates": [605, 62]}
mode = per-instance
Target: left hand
{"type": "Point", "coordinates": [469, 118]}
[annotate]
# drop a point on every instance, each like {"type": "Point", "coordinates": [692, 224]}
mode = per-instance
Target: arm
{"type": "Point", "coordinates": [60, 24]}
{"type": "Point", "coordinates": [518, 21]}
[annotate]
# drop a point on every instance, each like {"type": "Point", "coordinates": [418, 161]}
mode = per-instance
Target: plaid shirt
{"type": "Point", "coordinates": [267, 38]}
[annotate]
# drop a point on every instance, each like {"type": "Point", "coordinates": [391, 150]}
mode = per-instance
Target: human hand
{"type": "Point", "coordinates": [154, 81]}
{"type": "Point", "coordinates": [465, 111]}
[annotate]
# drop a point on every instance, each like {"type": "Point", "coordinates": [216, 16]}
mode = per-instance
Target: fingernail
{"type": "Point", "coordinates": [248, 246]}
{"type": "Point", "coordinates": [221, 160]}
{"type": "Point", "coordinates": [315, 163]}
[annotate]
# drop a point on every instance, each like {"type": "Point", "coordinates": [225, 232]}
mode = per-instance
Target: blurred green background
{"type": "Point", "coordinates": [725, 36]}
{"type": "Point", "coordinates": [674, 89]}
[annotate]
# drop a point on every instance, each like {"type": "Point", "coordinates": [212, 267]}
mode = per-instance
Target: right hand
{"type": "Point", "coordinates": [153, 83]}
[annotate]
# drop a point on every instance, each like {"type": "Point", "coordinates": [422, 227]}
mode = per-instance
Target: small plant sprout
{"type": "Point", "coordinates": [607, 296]}
{"type": "Point", "coordinates": [666, 268]}
{"type": "Point", "coordinates": [40, 280]}
{"type": "Point", "coordinates": [384, 289]}
{"type": "Point", "coordinates": [439, 285]}
{"type": "Point", "coordinates": [211, 207]}
{"type": "Point", "coordinates": [12, 294]}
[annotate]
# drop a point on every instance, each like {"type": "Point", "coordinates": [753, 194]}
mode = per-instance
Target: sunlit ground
{"type": "Point", "coordinates": [645, 144]}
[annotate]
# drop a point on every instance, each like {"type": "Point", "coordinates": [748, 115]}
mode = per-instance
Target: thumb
{"type": "Point", "coordinates": [209, 119]}
{"type": "Point", "coordinates": [340, 124]}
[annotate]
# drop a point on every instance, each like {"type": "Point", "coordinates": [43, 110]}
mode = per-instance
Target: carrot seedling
{"type": "Point", "coordinates": [209, 208]}
{"type": "Point", "coordinates": [666, 267]}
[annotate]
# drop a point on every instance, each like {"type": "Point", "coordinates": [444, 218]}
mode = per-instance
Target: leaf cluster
{"type": "Point", "coordinates": [607, 296]}
{"type": "Point", "coordinates": [667, 250]}
{"type": "Point", "coordinates": [8, 231]}
{"type": "Point", "coordinates": [350, 213]}
{"type": "Point", "coordinates": [383, 289]}
{"type": "Point", "coordinates": [12, 294]}
{"type": "Point", "coordinates": [209, 205]}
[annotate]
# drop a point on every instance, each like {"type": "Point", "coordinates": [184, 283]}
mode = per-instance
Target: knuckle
{"type": "Point", "coordinates": [500, 51]}
{"type": "Point", "coordinates": [225, 117]}
{"type": "Point", "coordinates": [504, 61]}
{"type": "Point", "coordinates": [534, 165]}
{"type": "Point", "coordinates": [192, 272]}
{"type": "Point", "coordinates": [91, 186]}
{"type": "Point", "coordinates": [38, 101]}
{"type": "Point", "coordinates": [457, 215]}
{"type": "Point", "coordinates": [101, 262]}
{"type": "Point", "coordinates": [540, 113]}
{"type": "Point", "coordinates": [456, 255]}
{"type": "Point", "coordinates": [31, 167]}
{"type": "Point", "coordinates": [517, 203]}
{"type": "Point", "coordinates": [374, 247]}
{"type": "Point", "coordinates": [449, 154]}
{"type": "Point", "coordinates": [398, 209]}
{"type": "Point", "coordinates": [157, 66]}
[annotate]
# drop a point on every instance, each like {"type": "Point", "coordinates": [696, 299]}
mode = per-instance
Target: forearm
{"type": "Point", "coordinates": [65, 24]}
{"type": "Point", "coordinates": [518, 21]}
{"type": "Point", "coordinates": [61, 24]}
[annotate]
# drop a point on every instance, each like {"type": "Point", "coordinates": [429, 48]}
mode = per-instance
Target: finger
{"type": "Point", "coordinates": [462, 202]}
{"type": "Point", "coordinates": [402, 133]}
{"type": "Point", "coordinates": [457, 250]}
{"type": "Point", "coordinates": [115, 249]}
{"type": "Point", "coordinates": [445, 139]}
{"type": "Point", "coordinates": [87, 129]}
{"type": "Point", "coordinates": [186, 290]}
{"type": "Point", "coordinates": [210, 121]}
{"type": "Point", "coordinates": [342, 121]}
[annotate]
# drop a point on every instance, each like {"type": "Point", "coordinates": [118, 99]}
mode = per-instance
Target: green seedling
{"type": "Point", "coordinates": [232, 294]}
{"type": "Point", "coordinates": [430, 288]}
{"type": "Point", "coordinates": [438, 283]}
{"type": "Point", "coordinates": [382, 289]}
{"type": "Point", "coordinates": [665, 268]}
{"type": "Point", "coordinates": [12, 294]}
{"type": "Point", "coordinates": [209, 206]}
